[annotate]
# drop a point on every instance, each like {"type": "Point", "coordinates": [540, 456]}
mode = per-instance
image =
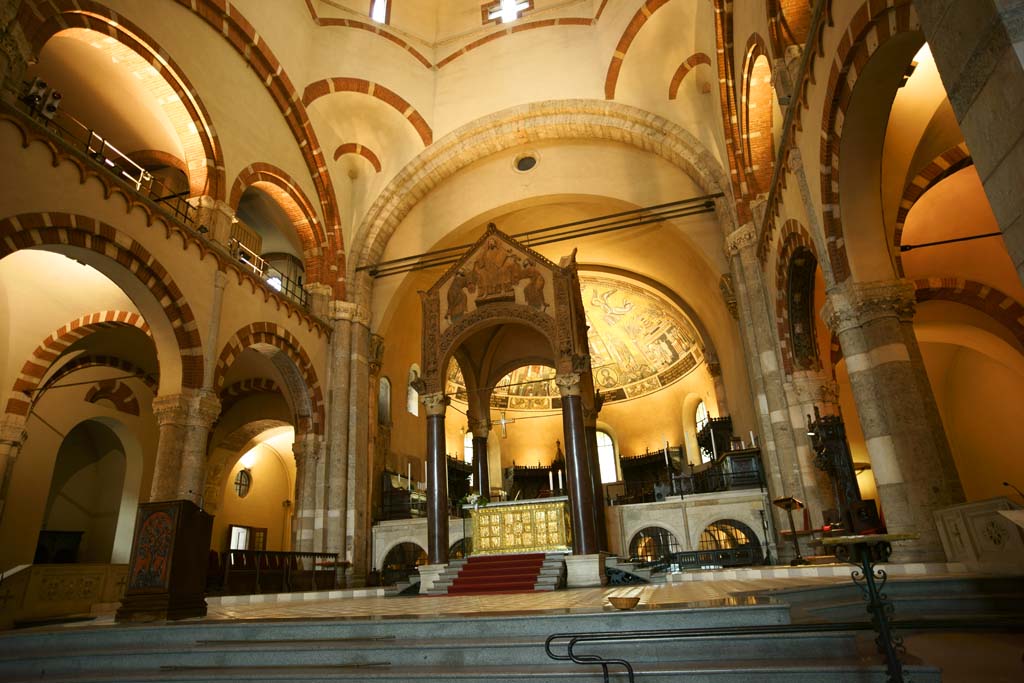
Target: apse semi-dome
{"type": "Point", "coordinates": [639, 342]}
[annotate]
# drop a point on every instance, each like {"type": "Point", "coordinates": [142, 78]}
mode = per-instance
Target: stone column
{"type": "Point", "coordinates": [910, 457]}
{"type": "Point", "coordinates": [15, 52]}
{"type": "Point", "coordinates": [336, 465]}
{"type": "Point", "coordinates": [184, 422]}
{"type": "Point", "coordinates": [437, 479]}
{"type": "Point", "coordinates": [594, 458]}
{"type": "Point", "coordinates": [358, 517]}
{"type": "Point", "coordinates": [579, 478]}
{"type": "Point", "coordinates": [12, 436]}
{"type": "Point", "coordinates": [778, 447]}
{"type": "Point", "coordinates": [806, 391]}
{"type": "Point", "coordinates": [482, 477]}
{"type": "Point", "coordinates": [715, 371]}
{"type": "Point", "coordinates": [307, 522]}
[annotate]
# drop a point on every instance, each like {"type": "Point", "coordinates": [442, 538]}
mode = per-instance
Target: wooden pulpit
{"type": "Point", "coordinates": [167, 569]}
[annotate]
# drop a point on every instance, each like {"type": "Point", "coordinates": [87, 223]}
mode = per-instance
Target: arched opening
{"type": "Point", "coordinates": [735, 537]}
{"type": "Point", "coordinates": [652, 544]}
{"type": "Point", "coordinates": [269, 239]}
{"type": "Point", "coordinates": [82, 507]}
{"type": "Point", "coordinates": [401, 562]}
{"type": "Point", "coordinates": [759, 148]}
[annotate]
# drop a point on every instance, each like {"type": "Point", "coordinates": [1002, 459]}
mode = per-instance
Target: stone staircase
{"type": "Point", "coordinates": [501, 574]}
{"type": "Point", "coordinates": [434, 650]}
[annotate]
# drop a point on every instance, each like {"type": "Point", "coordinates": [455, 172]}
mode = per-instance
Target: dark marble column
{"type": "Point", "coordinates": [437, 480]}
{"type": "Point", "coordinates": [579, 477]}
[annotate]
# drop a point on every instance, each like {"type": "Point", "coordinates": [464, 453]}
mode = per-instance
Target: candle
{"type": "Point", "coordinates": [424, 470]}
{"type": "Point", "coordinates": [666, 453]}
{"type": "Point", "coordinates": [408, 474]}
{"type": "Point", "coordinates": [559, 480]}
{"type": "Point", "coordinates": [551, 480]}
{"type": "Point", "coordinates": [753, 441]}
{"type": "Point", "coordinates": [714, 450]}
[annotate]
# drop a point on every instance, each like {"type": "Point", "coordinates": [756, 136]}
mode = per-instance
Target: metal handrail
{"type": "Point", "coordinates": [572, 639]}
{"type": "Point", "coordinates": [77, 135]}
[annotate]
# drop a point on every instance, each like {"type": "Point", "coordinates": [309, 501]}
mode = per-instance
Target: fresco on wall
{"type": "Point", "coordinates": [639, 343]}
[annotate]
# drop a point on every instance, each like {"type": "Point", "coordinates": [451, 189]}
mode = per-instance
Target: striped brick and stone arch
{"type": "Point", "coordinates": [999, 306]}
{"type": "Point", "coordinates": [795, 268]}
{"type": "Point", "coordinates": [225, 452]}
{"type": "Point", "coordinates": [131, 267]}
{"type": "Point", "coordinates": [630, 33]}
{"type": "Point", "coordinates": [523, 124]}
{"type": "Point", "coordinates": [327, 86]}
{"type": "Point", "coordinates": [227, 20]}
{"type": "Point", "coordinates": [87, 21]}
{"type": "Point", "coordinates": [730, 106]}
{"type": "Point", "coordinates": [685, 69]}
{"type": "Point", "coordinates": [301, 388]}
{"type": "Point", "coordinates": [49, 351]}
{"type": "Point", "coordinates": [941, 167]}
{"type": "Point", "coordinates": [788, 24]}
{"type": "Point", "coordinates": [756, 127]}
{"type": "Point", "coordinates": [243, 389]}
{"type": "Point", "coordinates": [358, 150]}
{"type": "Point", "coordinates": [285, 191]}
{"type": "Point", "coordinates": [117, 393]}
{"type": "Point", "coordinates": [872, 26]}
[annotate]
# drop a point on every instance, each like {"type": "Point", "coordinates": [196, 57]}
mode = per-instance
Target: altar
{"type": "Point", "coordinates": [522, 526]}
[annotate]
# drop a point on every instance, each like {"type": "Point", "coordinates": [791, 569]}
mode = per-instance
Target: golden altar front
{"type": "Point", "coordinates": [522, 527]}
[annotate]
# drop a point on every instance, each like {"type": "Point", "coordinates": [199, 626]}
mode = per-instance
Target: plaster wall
{"type": "Point", "coordinates": [273, 475]}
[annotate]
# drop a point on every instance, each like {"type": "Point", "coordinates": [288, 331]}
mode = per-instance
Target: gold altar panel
{"type": "Point", "coordinates": [521, 528]}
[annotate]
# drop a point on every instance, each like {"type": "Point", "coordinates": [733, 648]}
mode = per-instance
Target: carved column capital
{"type": "Point", "coordinates": [435, 403]}
{"type": "Point", "coordinates": [729, 295]}
{"type": "Point", "coordinates": [568, 384]}
{"type": "Point", "coordinates": [348, 311]}
{"type": "Point", "coordinates": [740, 239]}
{"type": "Point", "coordinates": [480, 428]}
{"type": "Point", "coordinates": [856, 304]}
{"type": "Point", "coordinates": [199, 409]}
{"type": "Point", "coordinates": [376, 355]}
{"type": "Point", "coordinates": [12, 430]}
{"type": "Point", "coordinates": [813, 389]}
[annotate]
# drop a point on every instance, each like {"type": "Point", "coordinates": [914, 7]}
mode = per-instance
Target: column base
{"type": "Point", "coordinates": [583, 571]}
{"type": "Point", "coordinates": [429, 574]}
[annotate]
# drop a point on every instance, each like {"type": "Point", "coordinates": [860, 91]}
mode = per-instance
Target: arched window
{"type": "Point", "coordinates": [467, 447]}
{"type": "Point", "coordinates": [652, 543]}
{"type": "Point", "coordinates": [412, 396]}
{"type": "Point", "coordinates": [606, 456]}
{"type": "Point", "coordinates": [384, 402]}
{"type": "Point", "coordinates": [701, 419]}
{"type": "Point", "coordinates": [733, 535]}
{"type": "Point", "coordinates": [380, 11]}
{"type": "Point", "coordinates": [243, 482]}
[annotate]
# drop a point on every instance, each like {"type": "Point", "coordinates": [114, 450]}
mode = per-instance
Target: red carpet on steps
{"type": "Point", "coordinates": [498, 574]}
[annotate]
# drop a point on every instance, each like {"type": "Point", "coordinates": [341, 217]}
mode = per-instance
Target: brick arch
{"type": "Point", "coordinates": [356, 148]}
{"type": "Point", "coordinates": [289, 196]}
{"type": "Point", "coordinates": [872, 26]}
{"type": "Point", "coordinates": [730, 107]}
{"type": "Point", "coordinates": [233, 393]}
{"type": "Point", "coordinates": [61, 230]}
{"type": "Point", "coordinates": [758, 152]}
{"type": "Point", "coordinates": [793, 239]}
{"type": "Point", "coordinates": [940, 168]}
{"type": "Point", "coordinates": [611, 78]}
{"type": "Point", "coordinates": [691, 63]}
{"type": "Point", "coordinates": [997, 305]}
{"type": "Point", "coordinates": [321, 88]}
{"type": "Point", "coordinates": [42, 19]}
{"type": "Point", "coordinates": [291, 360]}
{"type": "Point", "coordinates": [229, 21]}
{"type": "Point", "coordinates": [115, 391]}
{"type": "Point", "coordinates": [50, 349]}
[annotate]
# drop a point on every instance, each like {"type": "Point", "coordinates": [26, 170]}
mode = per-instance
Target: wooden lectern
{"type": "Point", "coordinates": [167, 569]}
{"type": "Point", "coordinates": [789, 503]}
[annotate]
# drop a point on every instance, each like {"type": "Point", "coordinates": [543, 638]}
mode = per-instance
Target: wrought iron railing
{"type": "Point", "coordinates": [270, 276]}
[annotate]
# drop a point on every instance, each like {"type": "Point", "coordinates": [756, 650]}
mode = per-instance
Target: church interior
{"type": "Point", "coordinates": [322, 288]}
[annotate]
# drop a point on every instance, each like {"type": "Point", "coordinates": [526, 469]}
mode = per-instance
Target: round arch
{"type": "Point", "coordinates": [204, 156]}
{"type": "Point", "coordinates": [132, 268]}
{"type": "Point", "coordinates": [302, 387]}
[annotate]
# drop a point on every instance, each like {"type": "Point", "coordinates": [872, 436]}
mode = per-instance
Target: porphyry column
{"type": "Point", "coordinates": [577, 467]}
{"type": "Point", "coordinates": [482, 479]}
{"type": "Point", "coordinates": [437, 479]}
